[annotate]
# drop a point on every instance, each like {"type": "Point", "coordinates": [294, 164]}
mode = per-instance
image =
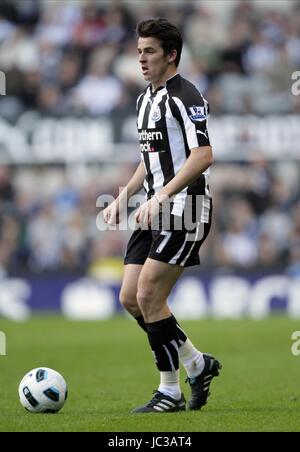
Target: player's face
{"type": "Point", "coordinates": [154, 64]}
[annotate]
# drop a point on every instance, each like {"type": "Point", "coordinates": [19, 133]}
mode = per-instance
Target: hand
{"type": "Point", "coordinates": [111, 214]}
{"type": "Point", "coordinates": [148, 211]}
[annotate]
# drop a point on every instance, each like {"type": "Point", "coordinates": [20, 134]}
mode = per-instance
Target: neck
{"type": "Point", "coordinates": [162, 81]}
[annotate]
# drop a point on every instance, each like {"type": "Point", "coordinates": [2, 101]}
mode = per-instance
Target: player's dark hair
{"type": "Point", "coordinates": [168, 35]}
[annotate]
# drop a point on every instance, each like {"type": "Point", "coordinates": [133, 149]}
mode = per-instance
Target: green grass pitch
{"type": "Point", "coordinates": [110, 370]}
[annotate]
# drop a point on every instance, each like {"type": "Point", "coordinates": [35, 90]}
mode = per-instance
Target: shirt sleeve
{"type": "Point", "coordinates": [192, 114]}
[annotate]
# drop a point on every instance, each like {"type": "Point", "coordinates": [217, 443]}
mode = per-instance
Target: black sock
{"type": "Point", "coordinates": [181, 334]}
{"type": "Point", "coordinates": [164, 341]}
{"type": "Point", "coordinates": [140, 320]}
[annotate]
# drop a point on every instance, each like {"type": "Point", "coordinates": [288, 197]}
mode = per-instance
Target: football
{"type": "Point", "coordinates": [43, 390]}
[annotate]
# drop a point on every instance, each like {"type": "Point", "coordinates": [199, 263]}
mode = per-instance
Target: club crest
{"type": "Point", "coordinates": [156, 115]}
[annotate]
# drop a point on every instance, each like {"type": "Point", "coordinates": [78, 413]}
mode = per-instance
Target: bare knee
{"type": "Point", "coordinates": [150, 304]}
{"type": "Point", "coordinates": [146, 290]}
{"type": "Point", "coordinates": [145, 298]}
{"type": "Point", "coordinates": [129, 303]}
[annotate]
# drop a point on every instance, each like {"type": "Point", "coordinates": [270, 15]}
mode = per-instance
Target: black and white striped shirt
{"type": "Point", "coordinates": [171, 121]}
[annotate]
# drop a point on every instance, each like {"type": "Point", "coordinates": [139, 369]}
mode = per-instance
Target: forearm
{"type": "Point", "coordinates": [134, 184]}
{"type": "Point", "coordinates": [199, 160]}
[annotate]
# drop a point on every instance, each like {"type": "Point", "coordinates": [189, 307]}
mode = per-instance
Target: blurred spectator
{"type": "Point", "coordinates": [239, 240]}
{"type": "Point", "coordinates": [99, 92]}
{"type": "Point", "coordinates": [6, 187]}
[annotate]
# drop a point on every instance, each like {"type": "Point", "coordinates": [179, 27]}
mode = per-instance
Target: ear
{"type": "Point", "coordinates": [172, 56]}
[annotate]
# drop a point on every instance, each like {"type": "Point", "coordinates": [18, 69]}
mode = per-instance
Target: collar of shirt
{"type": "Point", "coordinates": [169, 81]}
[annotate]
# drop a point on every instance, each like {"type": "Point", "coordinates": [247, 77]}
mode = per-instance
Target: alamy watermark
{"type": "Point", "coordinates": [296, 86]}
{"type": "Point", "coordinates": [2, 343]}
{"type": "Point", "coordinates": [295, 349]}
{"type": "Point", "coordinates": [172, 216]}
{"type": "Point", "coordinates": [2, 84]}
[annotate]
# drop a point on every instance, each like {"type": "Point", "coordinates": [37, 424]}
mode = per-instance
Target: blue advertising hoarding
{"type": "Point", "coordinates": [196, 296]}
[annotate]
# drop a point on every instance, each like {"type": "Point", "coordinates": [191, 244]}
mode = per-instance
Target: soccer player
{"type": "Point", "coordinates": [175, 157]}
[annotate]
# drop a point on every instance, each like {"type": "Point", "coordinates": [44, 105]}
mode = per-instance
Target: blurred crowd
{"type": "Point", "coordinates": [61, 56]}
{"type": "Point", "coordinates": [80, 58]}
{"type": "Point", "coordinates": [48, 217]}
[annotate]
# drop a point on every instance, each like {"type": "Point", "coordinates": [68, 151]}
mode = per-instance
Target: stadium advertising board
{"type": "Point", "coordinates": [34, 138]}
{"type": "Point", "coordinates": [230, 296]}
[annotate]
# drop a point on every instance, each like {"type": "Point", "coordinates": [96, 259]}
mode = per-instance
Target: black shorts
{"type": "Point", "coordinates": [173, 246]}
